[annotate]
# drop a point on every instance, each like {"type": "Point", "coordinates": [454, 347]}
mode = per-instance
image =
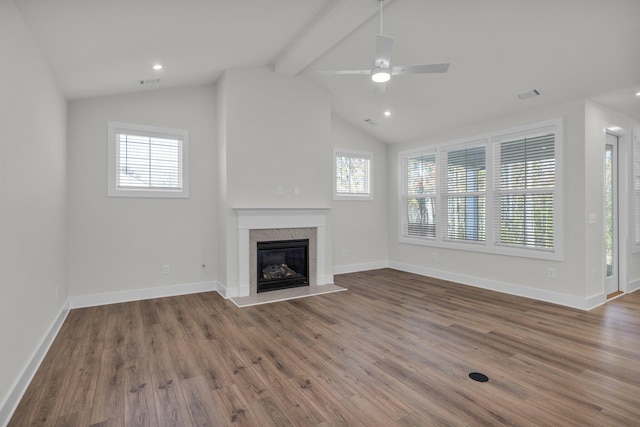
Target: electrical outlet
{"type": "Point", "coordinates": [280, 190]}
{"type": "Point", "coordinates": [551, 273]}
{"type": "Point", "coordinates": [166, 269]}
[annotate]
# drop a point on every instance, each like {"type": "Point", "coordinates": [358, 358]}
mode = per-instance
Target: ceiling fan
{"type": "Point", "coordinates": [382, 69]}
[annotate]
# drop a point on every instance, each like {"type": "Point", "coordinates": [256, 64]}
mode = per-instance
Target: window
{"type": "Point", "coordinates": [463, 193]}
{"type": "Point", "coordinates": [525, 191]}
{"type": "Point", "coordinates": [419, 196]}
{"type": "Point", "coordinates": [353, 171]}
{"type": "Point", "coordinates": [495, 193]}
{"type": "Point", "coordinates": [146, 161]}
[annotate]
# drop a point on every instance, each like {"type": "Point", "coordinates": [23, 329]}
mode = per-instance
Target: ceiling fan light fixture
{"type": "Point", "coordinates": [381, 75]}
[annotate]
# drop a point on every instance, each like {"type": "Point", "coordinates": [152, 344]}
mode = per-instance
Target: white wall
{"type": "Point", "coordinates": [360, 227]}
{"type": "Point", "coordinates": [507, 273]}
{"type": "Point", "coordinates": [33, 204]}
{"type": "Point", "coordinates": [277, 133]}
{"type": "Point", "coordinates": [121, 244]}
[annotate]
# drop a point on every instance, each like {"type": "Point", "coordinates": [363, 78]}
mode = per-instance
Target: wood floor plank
{"type": "Point", "coordinates": [269, 413]}
{"type": "Point", "coordinates": [234, 408]}
{"type": "Point", "coordinates": [134, 341]}
{"type": "Point", "coordinates": [394, 350]}
{"type": "Point", "coordinates": [203, 408]}
{"type": "Point", "coordinates": [108, 401]}
{"type": "Point", "coordinates": [157, 349]}
{"type": "Point", "coordinates": [81, 388]}
{"type": "Point", "coordinates": [113, 422]}
{"type": "Point", "coordinates": [170, 406]}
{"type": "Point", "coordinates": [115, 327]}
{"type": "Point", "coordinates": [213, 363]}
{"type": "Point", "coordinates": [139, 404]}
{"type": "Point", "coordinates": [76, 419]}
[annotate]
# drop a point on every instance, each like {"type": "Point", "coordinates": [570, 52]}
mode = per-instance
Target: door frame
{"type": "Point", "coordinates": [624, 156]}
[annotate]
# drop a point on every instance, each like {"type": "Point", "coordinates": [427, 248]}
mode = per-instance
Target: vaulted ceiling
{"type": "Point", "coordinates": [567, 49]}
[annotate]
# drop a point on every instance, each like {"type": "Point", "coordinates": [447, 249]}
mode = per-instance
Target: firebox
{"type": "Point", "coordinates": [282, 264]}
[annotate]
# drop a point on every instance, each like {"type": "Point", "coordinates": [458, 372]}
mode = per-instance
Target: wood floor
{"type": "Point", "coordinates": [394, 350]}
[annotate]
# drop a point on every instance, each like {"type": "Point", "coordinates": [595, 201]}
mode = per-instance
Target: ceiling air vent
{"type": "Point", "coordinates": [529, 94]}
{"type": "Point", "coordinates": [149, 81]}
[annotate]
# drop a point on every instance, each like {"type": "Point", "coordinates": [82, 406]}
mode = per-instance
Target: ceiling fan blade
{"type": "Point", "coordinates": [419, 69]}
{"type": "Point", "coordinates": [383, 51]}
{"type": "Point", "coordinates": [343, 72]}
{"type": "Point", "coordinates": [378, 88]}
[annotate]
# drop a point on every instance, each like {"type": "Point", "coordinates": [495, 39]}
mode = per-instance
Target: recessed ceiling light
{"type": "Point", "coordinates": [157, 67]}
{"type": "Point", "coordinates": [637, 93]}
{"type": "Point", "coordinates": [387, 113]}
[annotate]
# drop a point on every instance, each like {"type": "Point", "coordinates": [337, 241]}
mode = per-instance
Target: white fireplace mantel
{"type": "Point", "coordinates": [270, 218]}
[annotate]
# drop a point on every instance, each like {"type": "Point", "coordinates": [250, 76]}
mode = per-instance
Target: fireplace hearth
{"type": "Point", "coordinates": [282, 264]}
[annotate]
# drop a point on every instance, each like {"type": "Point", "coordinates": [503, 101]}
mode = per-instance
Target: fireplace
{"type": "Point", "coordinates": [282, 264]}
{"type": "Point", "coordinates": [266, 224]}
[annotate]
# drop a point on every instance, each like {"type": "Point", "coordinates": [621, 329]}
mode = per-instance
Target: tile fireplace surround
{"type": "Point", "coordinates": [281, 224]}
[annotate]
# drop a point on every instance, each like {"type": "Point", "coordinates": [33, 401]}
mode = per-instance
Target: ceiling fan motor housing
{"type": "Point", "coordinates": [381, 74]}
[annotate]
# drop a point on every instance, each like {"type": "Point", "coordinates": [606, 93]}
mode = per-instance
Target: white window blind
{"type": "Point", "coordinates": [147, 161]}
{"type": "Point", "coordinates": [464, 185]}
{"type": "Point", "coordinates": [525, 192]}
{"type": "Point", "coordinates": [420, 195]}
{"type": "Point", "coordinates": [353, 175]}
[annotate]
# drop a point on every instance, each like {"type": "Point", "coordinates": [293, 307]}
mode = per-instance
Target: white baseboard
{"type": "Point", "coordinates": [140, 294]}
{"type": "Point", "coordinates": [633, 286]}
{"type": "Point", "coordinates": [594, 301]}
{"type": "Point", "coordinates": [508, 288]}
{"type": "Point", "coordinates": [228, 293]}
{"type": "Point", "coordinates": [8, 407]}
{"type": "Point", "coordinates": [365, 266]}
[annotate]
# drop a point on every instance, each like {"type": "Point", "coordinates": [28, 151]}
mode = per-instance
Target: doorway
{"type": "Point", "coordinates": [611, 217]}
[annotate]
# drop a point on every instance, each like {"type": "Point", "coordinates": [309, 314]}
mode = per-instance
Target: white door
{"type": "Point", "coordinates": [611, 281]}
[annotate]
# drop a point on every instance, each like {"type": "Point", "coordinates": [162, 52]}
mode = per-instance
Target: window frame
{"type": "Point", "coordinates": [446, 194]}
{"type": "Point", "coordinates": [358, 155]}
{"type": "Point", "coordinates": [489, 245]}
{"type": "Point", "coordinates": [405, 196]}
{"type": "Point", "coordinates": [533, 191]}
{"type": "Point", "coordinates": [116, 128]}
